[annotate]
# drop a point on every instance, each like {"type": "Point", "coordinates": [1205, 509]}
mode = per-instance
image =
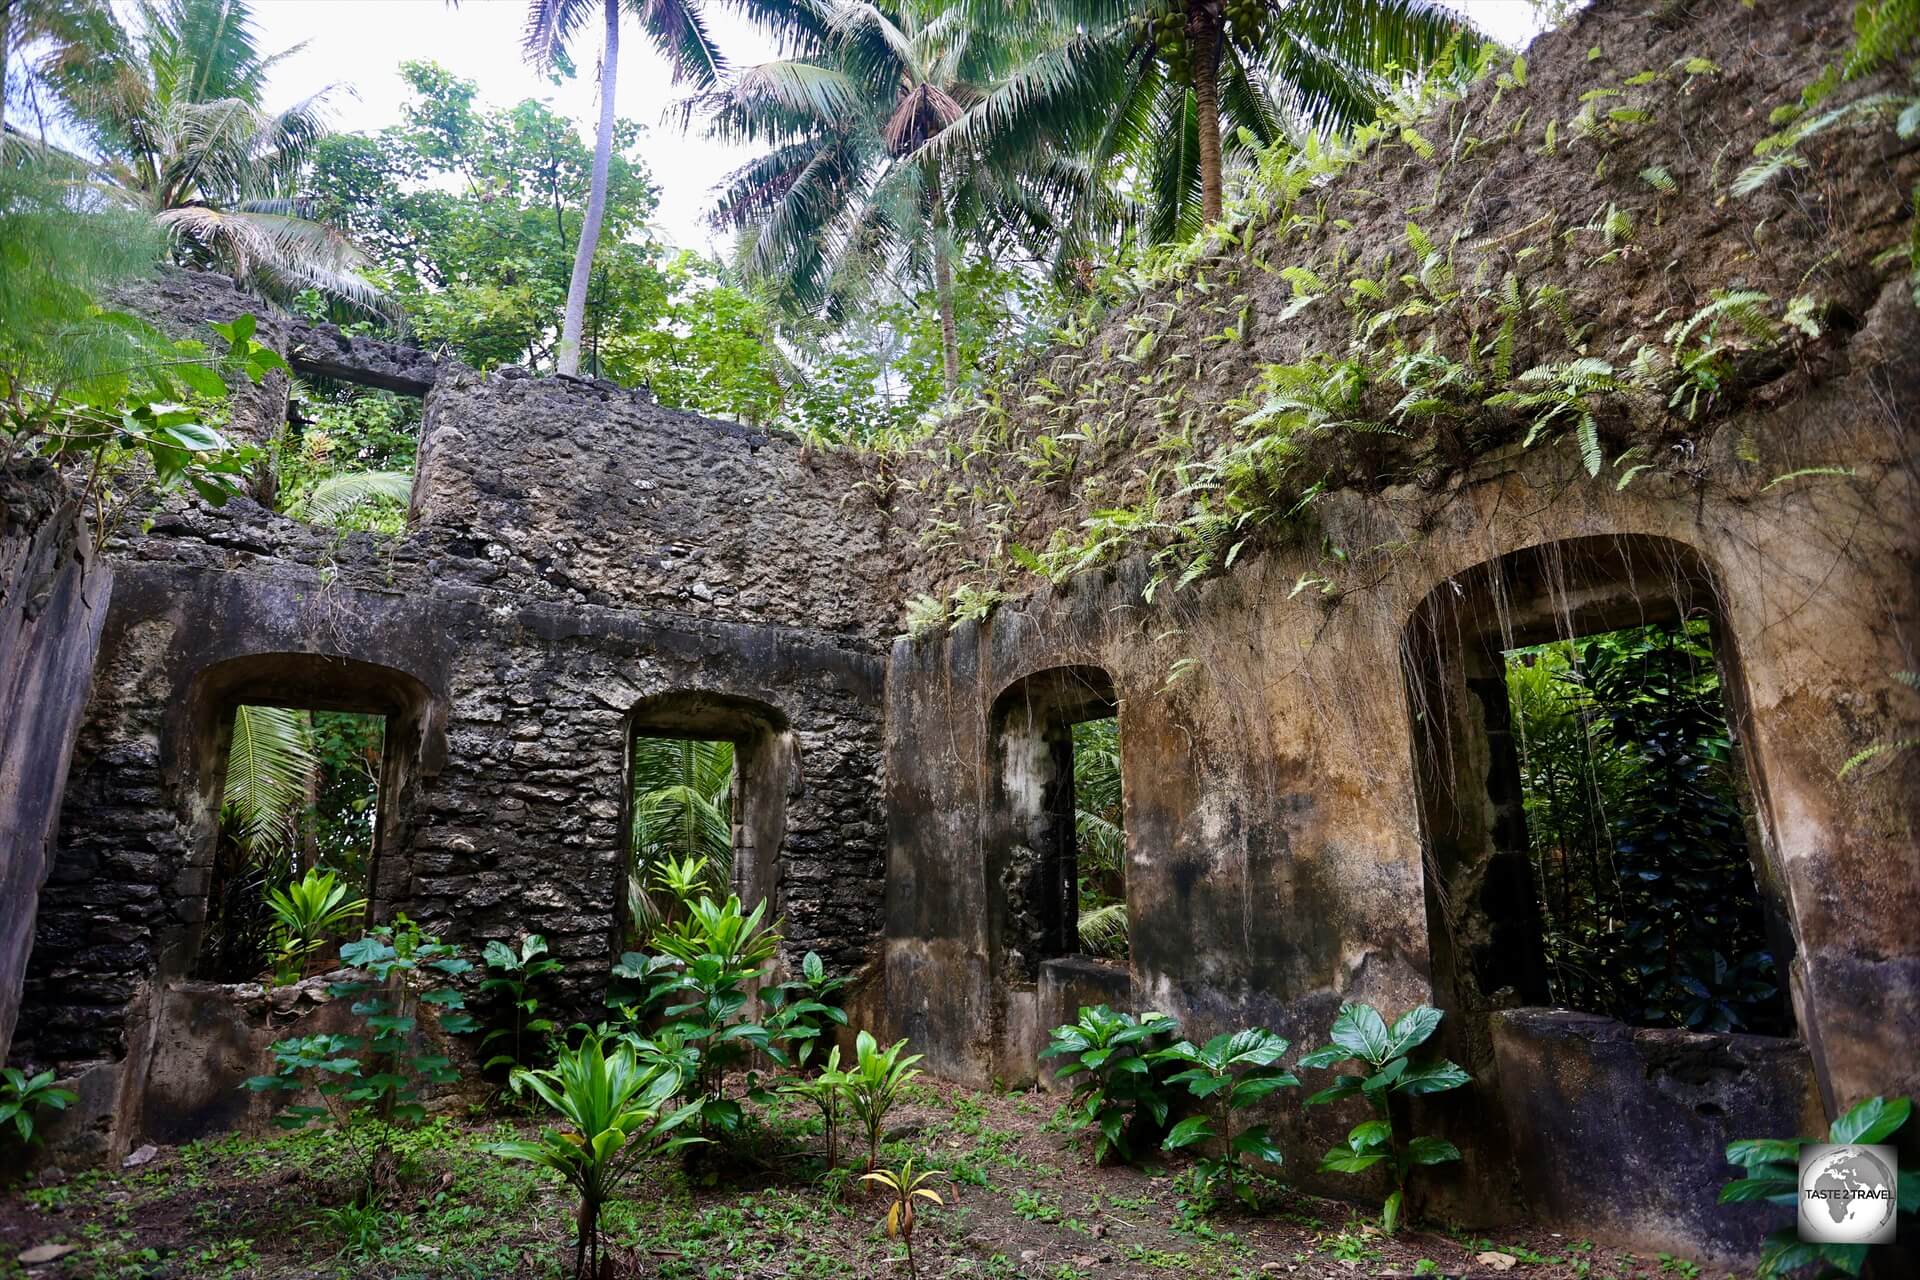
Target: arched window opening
{"type": "Point", "coordinates": [1059, 855]}
{"type": "Point", "coordinates": [1589, 818]}
{"type": "Point", "coordinates": [305, 764]}
{"type": "Point", "coordinates": [300, 794]}
{"type": "Point", "coordinates": [708, 782]}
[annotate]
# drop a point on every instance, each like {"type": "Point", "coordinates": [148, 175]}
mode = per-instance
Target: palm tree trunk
{"type": "Point", "coordinates": [1204, 21]}
{"type": "Point", "coordinates": [6, 26]}
{"type": "Point", "coordinates": [569, 358]}
{"type": "Point", "coordinates": [943, 279]}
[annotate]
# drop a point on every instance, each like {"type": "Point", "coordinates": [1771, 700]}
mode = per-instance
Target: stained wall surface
{"type": "Point", "coordinates": [53, 600]}
{"type": "Point", "coordinates": [1294, 735]}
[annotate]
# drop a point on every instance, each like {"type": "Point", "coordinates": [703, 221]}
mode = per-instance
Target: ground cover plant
{"type": "Point", "coordinates": [276, 1208]}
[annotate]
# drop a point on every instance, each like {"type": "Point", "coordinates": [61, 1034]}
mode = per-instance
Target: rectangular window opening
{"type": "Point", "coordinates": [1100, 840]}
{"type": "Point", "coordinates": [1636, 812]}
{"type": "Point", "coordinates": [301, 794]}
{"type": "Point", "coordinates": [685, 797]}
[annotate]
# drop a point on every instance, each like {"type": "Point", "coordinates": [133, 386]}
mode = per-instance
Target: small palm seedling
{"type": "Point", "coordinates": [1773, 1174]}
{"type": "Point", "coordinates": [511, 980]}
{"type": "Point", "coordinates": [827, 1092]}
{"type": "Point", "coordinates": [615, 1116]}
{"type": "Point", "coordinates": [907, 1187]}
{"type": "Point", "coordinates": [1229, 1073]}
{"type": "Point", "coordinates": [1116, 1093]}
{"type": "Point", "coordinates": [22, 1096]}
{"type": "Point", "coordinates": [1361, 1035]}
{"type": "Point", "coordinates": [305, 914]}
{"type": "Point", "coordinates": [874, 1083]}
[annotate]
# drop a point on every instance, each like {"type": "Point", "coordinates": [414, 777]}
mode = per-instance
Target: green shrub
{"type": "Point", "coordinates": [377, 1073]}
{"type": "Point", "coordinates": [22, 1096]}
{"type": "Point", "coordinates": [1773, 1174]}
{"type": "Point", "coordinates": [1361, 1035]}
{"type": "Point", "coordinates": [615, 1114]}
{"type": "Point", "coordinates": [510, 981]}
{"type": "Point", "coordinates": [305, 913]}
{"type": "Point", "coordinates": [1229, 1073]}
{"type": "Point", "coordinates": [1116, 1094]}
{"type": "Point", "coordinates": [874, 1083]}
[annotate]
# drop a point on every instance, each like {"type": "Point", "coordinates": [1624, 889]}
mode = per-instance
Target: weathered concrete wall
{"type": "Point", "coordinates": [53, 600]}
{"type": "Point", "coordinates": [1307, 811]}
{"type": "Point", "coordinates": [1572, 1083]}
{"type": "Point", "coordinates": [1273, 815]}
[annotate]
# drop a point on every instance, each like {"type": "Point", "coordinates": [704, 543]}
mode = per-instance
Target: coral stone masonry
{"type": "Point", "coordinates": [1320, 797]}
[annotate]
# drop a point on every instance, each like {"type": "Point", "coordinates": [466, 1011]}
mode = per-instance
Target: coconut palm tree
{"type": "Point", "coordinates": [678, 28]}
{"type": "Point", "coordinates": [1156, 88]}
{"type": "Point", "coordinates": [682, 812]}
{"type": "Point", "coordinates": [849, 195]}
{"type": "Point", "coordinates": [25, 24]}
{"type": "Point", "coordinates": [173, 107]}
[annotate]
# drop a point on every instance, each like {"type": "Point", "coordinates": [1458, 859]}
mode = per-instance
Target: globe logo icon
{"type": "Point", "coordinates": [1847, 1193]}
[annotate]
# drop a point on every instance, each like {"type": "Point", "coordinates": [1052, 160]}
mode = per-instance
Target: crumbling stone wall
{"type": "Point", "coordinates": [516, 607]}
{"type": "Point", "coordinates": [53, 599]}
{"type": "Point", "coordinates": [582, 491]}
{"type": "Point", "coordinates": [1280, 857]}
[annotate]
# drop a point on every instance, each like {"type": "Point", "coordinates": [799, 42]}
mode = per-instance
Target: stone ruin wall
{"type": "Point", "coordinates": [1294, 829]}
{"type": "Point", "coordinates": [576, 549]}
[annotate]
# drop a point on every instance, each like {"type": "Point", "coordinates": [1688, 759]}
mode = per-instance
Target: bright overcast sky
{"type": "Point", "coordinates": [360, 44]}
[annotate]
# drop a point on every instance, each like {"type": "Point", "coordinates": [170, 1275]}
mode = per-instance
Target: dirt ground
{"type": "Point", "coordinates": [1019, 1200]}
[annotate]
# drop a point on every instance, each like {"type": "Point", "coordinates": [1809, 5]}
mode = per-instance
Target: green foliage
{"type": "Point", "coordinates": [1100, 838]}
{"type": "Point", "coordinates": [875, 1081]}
{"type": "Point", "coordinates": [300, 787]}
{"type": "Point", "coordinates": [269, 760]}
{"type": "Point", "coordinates": [515, 1010]}
{"type": "Point", "coordinates": [172, 107]}
{"type": "Point", "coordinates": [99, 394]}
{"type": "Point", "coordinates": [377, 1073]}
{"type": "Point", "coordinates": [701, 983]}
{"type": "Point", "coordinates": [826, 1091]}
{"type": "Point", "coordinates": [1886, 32]}
{"type": "Point", "coordinates": [1772, 1174]}
{"type": "Point", "coordinates": [472, 215]}
{"type": "Point", "coordinates": [1361, 1035]}
{"type": "Point", "coordinates": [23, 1097]}
{"type": "Point", "coordinates": [800, 1011]}
{"type": "Point", "coordinates": [615, 1114]}
{"type": "Point", "coordinates": [1116, 1093]}
{"type": "Point", "coordinates": [682, 819]}
{"type": "Point", "coordinates": [1229, 1073]}
{"type": "Point", "coordinates": [1636, 832]}
{"type": "Point", "coordinates": [711, 349]}
{"type": "Point", "coordinates": [306, 913]}
{"type": "Point", "coordinates": [348, 462]}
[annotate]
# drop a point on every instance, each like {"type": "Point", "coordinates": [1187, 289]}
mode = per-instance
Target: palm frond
{"type": "Point", "coordinates": [334, 496]}
{"type": "Point", "coordinates": [270, 758]}
{"type": "Point", "coordinates": [1103, 930]}
{"type": "Point", "coordinates": [682, 805]}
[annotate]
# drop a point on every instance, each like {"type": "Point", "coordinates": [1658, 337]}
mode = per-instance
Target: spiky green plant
{"type": "Point", "coordinates": [270, 759]}
{"type": "Point", "coordinates": [305, 913]}
{"type": "Point", "coordinates": [614, 1114]}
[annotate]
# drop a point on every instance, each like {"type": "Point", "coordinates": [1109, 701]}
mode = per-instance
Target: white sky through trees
{"type": "Point", "coordinates": [360, 44]}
